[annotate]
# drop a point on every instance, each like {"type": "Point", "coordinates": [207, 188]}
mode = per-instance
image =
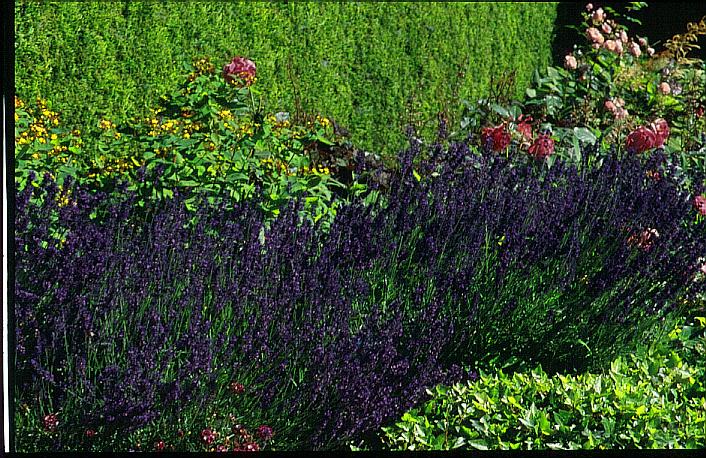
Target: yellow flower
{"type": "Point", "coordinates": [54, 136]}
{"type": "Point", "coordinates": [117, 135]}
{"type": "Point", "coordinates": [225, 114]}
{"type": "Point", "coordinates": [186, 135]}
{"type": "Point", "coordinates": [35, 156]}
{"type": "Point", "coordinates": [42, 140]}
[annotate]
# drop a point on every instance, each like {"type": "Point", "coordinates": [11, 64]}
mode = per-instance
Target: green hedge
{"type": "Point", "coordinates": [359, 63]}
{"type": "Point", "coordinates": [654, 398]}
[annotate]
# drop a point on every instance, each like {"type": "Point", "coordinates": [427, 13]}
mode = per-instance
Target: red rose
{"type": "Point", "coordinates": [495, 138]}
{"type": "Point", "coordinates": [242, 68]}
{"type": "Point", "coordinates": [542, 147]}
{"type": "Point", "coordinates": [640, 140]}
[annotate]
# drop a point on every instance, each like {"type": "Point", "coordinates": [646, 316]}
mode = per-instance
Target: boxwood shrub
{"type": "Point", "coordinates": [654, 398]}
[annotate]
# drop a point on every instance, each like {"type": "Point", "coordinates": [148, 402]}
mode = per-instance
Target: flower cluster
{"type": "Point", "coordinates": [607, 34]}
{"type": "Point", "coordinates": [240, 68]}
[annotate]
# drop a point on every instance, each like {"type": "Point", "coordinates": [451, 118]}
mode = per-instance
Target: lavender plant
{"type": "Point", "coordinates": [148, 330]}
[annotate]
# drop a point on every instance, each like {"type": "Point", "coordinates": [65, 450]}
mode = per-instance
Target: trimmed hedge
{"type": "Point", "coordinates": [655, 398]}
{"type": "Point", "coordinates": [360, 63]}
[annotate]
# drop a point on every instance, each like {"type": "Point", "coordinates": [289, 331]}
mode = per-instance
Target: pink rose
{"type": "Point", "coordinates": [570, 62]}
{"type": "Point", "coordinates": [598, 16]}
{"type": "Point", "coordinates": [634, 49]}
{"type": "Point", "coordinates": [700, 205]}
{"type": "Point", "coordinates": [606, 28]}
{"type": "Point", "coordinates": [611, 45]}
{"type": "Point", "coordinates": [661, 129]}
{"type": "Point", "coordinates": [594, 35]}
{"type": "Point", "coordinates": [642, 42]}
{"type": "Point", "coordinates": [542, 147]}
{"type": "Point", "coordinates": [610, 106]}
{"type": "Point", "coordinates": [623, 36]}
{"type": "Point", "coordinates": [619, 47]}
{"type": "Point", "coordinates": [650, 51]}
{"type": "Point", "coordinates": [242, 68]}
{"type": "Point", "coordinates": [664, 88]}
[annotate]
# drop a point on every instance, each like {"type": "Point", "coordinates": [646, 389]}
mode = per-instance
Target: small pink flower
{"type": "Point", "coordinates": [221, 448]}
{"type": "Point", "coordinates": [606, 28]}
{"type": "Point", "coordinates": [650, 51]}
{"type": "Point", "coordinates": [661, 129]}
{"type": "Point", "coordinates": [610, 106]}
{"type": "Point", "coordinates": [208, 436]}
{"type": "Point", "coordinates": [622, 113]}
{"type": "Point", "coordinates": [589, 6]}
{"type": "Point", "coordinates": [90, 433]}
{"type": "Point", "coordinates": [634, 49]}
{"type": "Point", "coordinates": [237, 388]}
{"type": "Point", "coordinates": [542, 147]}
{"type": "Point", "coordinates": [611, 45]}
{"type": "Point", "coordinates": [623, 36]}
{"type": "Point", "coordinates": [640, 140]}
{"type": "Point", "coordinates": [703, 268]}
{"type": "Point", "coordinates": [596, 45]}
{"type": "Point", "coordinates": [700, 205]}
{"type": "Point", "coordinates": [595, 35]}
{"type": "Point", "coordinates": [642, 41]}
{"type": "Point", "coordinates": [264, 432]}
{"type": "Point", "coordinates": [664, 88]}
{"type": "Point", "coordinates": [242, 68]}
{"type": "Point", "coordinates": [570, 62]}
{"type": "Point", "coordinates": [51, 422]}
{"type": "Point", "coordinates": [619, 47]}
{"type": "Point", "coordinates": [598, 16]}
{"type": "Point", "coordinates": [251, 447]}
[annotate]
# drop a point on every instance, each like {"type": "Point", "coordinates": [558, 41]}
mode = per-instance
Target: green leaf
{"type": "Point", "coordinates": [478, 444]}
{"type": "Point", "coordinates": [584, 135]}
{"type": "Point", "coordinates": [500, 110]}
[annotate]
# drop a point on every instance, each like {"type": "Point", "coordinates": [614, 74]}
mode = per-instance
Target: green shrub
{"type": "Point", "coordinates": [655, 398]}
{"type": "Point", "coordinates": [363, 64]}
{"type": "Point", "coordinates": [207, 136]}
